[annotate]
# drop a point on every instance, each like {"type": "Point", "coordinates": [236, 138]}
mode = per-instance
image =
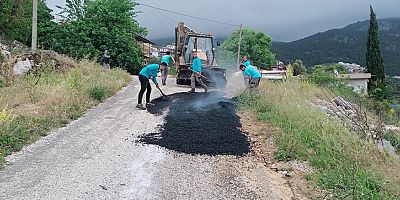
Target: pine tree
{"type": "Point", "coordinates": [377, 85]}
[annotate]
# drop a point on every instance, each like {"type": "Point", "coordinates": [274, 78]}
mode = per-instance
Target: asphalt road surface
{"type": "Point", "coordinates": [97, 157]}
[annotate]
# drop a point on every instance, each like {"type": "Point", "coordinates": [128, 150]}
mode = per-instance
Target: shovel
{"type": "Point", "coordinates": [164, 97]}
{"type": "Point", "coordinates": [202, 76]}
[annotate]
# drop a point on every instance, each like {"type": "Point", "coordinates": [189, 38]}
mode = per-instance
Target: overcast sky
{"type": "Point", "coordinates": [284, 20]}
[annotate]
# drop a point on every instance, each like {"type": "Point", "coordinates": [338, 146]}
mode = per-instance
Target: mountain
{"type": "Point", "coordinates": [161, 42]}
{"type": "Point", "coordinates": [347, 44]}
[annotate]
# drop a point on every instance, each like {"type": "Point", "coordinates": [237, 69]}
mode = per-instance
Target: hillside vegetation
{"type": "Point", "coordinates": [347, 44]}
{"type": "Point", "coordinates": [87, 29]}
{"type": "Point", "coordinates": [47, 98]}
{"type": "Point", "coordinates": [346, 166]}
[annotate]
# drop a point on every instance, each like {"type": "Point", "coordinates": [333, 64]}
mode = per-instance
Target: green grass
{"type": "Point", "coordinates": [31, 106]}
{"type": "Point", "coordinates": [347, 166]}
{"type": "Point", "coordinates": [99, 93]}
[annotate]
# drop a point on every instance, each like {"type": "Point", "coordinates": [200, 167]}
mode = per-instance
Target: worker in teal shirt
{"type": "Point", "coordinates": [245, 61]}
{"type": "Point", "coordinates": [149, 72]}
{"type": "Point", "coordinates": [253, 75]}
{"type": "Point", "coordinates": [196, 73]}
{"type": "Point", "coordinates": [164, 73]}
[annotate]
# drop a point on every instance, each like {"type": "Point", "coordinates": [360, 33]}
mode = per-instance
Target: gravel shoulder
{"type": "Point", "coordinates": [97, 157]}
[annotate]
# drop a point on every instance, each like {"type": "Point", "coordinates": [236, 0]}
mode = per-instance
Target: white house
{"type": "Point", "coordinates": [359, 81]}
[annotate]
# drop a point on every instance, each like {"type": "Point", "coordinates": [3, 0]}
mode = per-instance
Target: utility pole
{"type": "Point", "coordinates": [34, 26]}
{"type": "Point", "coordinates": [240, 41]}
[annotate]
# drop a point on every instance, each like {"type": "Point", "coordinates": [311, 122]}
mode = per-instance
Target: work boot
{"type": "Point", "coordinates": [192, 91]}
{"type": "Point", "coordinates": [141, 106]}
{"type": "Point", "coordinates": [150, 104]}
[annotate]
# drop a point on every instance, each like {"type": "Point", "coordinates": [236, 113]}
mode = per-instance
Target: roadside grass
{"type": "Point", "coordinates": [347, 167]}
{"type": "Point", "coordinates": [32, 105]}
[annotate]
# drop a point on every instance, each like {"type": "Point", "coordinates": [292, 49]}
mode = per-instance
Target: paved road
{"type": "Point", "coordinates": [96, 157]}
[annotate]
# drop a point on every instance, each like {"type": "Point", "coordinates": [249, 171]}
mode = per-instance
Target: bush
{"type": "Point", "coordinates": [298, 68]}
{"type": "Point", "coordinates": [172, 70]}
{"type": "Point", "coordinates": [99, 93]}
{"type": "Point", "coordinates": [12, 135]}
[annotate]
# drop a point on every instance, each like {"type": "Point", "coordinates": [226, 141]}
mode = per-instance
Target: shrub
{"type": "Point", "coordinates": [298, 68]}
{"type": "Point", "coordinates": [99, 93]}
{"type": "Point", "coordinates": [12, 135]}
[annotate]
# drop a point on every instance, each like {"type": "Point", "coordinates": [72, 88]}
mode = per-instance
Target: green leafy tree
{"type": "Point", "coordinates": [255, 45]}
{"type": "Point", "coordinates": [374, 60]}
{"type": "Point", "coordinates": [16, 20]}
{"type": "Point", "coordinates": [74, 10]}
{"type": "Point", "coordinates": [94, 26]}
{"type": "Point", "coordinates": [298, 68]}
{"type": "Point", "coordinates": [47, 28]}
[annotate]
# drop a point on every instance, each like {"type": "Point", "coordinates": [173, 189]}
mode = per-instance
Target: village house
{"type": "Point", "coordinates": [148, 48]}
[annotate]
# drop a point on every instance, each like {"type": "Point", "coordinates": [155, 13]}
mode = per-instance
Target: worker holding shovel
{"type": "Point", "coordinates": [253, 75]}
{"type": "Point", "coordinates": [196, 73]}
{"type": "Point", "coordinates": [149, 72]}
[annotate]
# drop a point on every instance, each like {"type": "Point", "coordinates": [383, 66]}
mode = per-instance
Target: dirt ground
{"type": "Point", "coordinates": [289, 174]}
{"type": "Point", "coordinates": [98, 157]}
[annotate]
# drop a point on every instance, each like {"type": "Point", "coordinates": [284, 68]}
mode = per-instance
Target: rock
{"type": "Point", "coordinates": [281, 167]}
{"type": "Point", "coordinates": [289, 174]}
{"type": "Point", "coordinates": [339, 101]}
{"type": "Point", "coordinates": [385, 145]}
{"type": "Point", "coordinates": [392, 128]}
{"type": "Point", "coordinates": [6, 54]}
{"type": "Point", "coordinates": [3, 47]}
{"type": "Point", "coordinates": [22, 67]}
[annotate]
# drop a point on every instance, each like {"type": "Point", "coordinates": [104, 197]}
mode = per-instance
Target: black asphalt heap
{"type": "Point", "coordinates": [200, 123]}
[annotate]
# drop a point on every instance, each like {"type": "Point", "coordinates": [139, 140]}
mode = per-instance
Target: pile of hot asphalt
{"type": "Point", "coordinates": [199, 123]}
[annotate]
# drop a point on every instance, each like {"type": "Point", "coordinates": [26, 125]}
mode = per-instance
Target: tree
{"type": "Point", "coordinates": [96, 25]}
{"type": "Point", "coordinates": [16, 20]}
{"type": "Point", "coordinates": [374, 60]}
{"type": "Point", "coordinates": [46, 26]}
{"type": "Point", "coordinates": [91, 26]}
{"type": "Point", "coordinates": [298, 68]}
{"type": "Point", "coordinates": [75, 9]}
{"type": "Point", "coordinates": [255, 45]}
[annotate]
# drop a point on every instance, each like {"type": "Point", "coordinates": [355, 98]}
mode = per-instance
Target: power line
{"type": "Point", "coordinates": [186, 15]}
{"type": "Point", "coordinates": [173, 21]}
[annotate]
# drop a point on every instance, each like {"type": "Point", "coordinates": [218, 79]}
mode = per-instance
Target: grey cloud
{"type": "Point", "coordinates": [284, 20]}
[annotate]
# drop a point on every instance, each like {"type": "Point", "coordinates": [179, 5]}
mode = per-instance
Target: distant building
{"type": "Point", "coordinates": [170, 48]}
{"type": "Point", "coordinates": [148, 47]}
{"type": "Point", "coordinates": [358, 81]}
{"type": "Point", "coordinates": [278, 72]}
{"type": "Point", "coordinates": [352, 68]}
{"type": "Point", "coordinates": [355, 77]}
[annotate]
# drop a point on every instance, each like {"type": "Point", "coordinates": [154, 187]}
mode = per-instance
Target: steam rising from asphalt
{"type": "Point", "coordinates": [215, 100]}
{"type": "Point", "coordinates": [209, 102]}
